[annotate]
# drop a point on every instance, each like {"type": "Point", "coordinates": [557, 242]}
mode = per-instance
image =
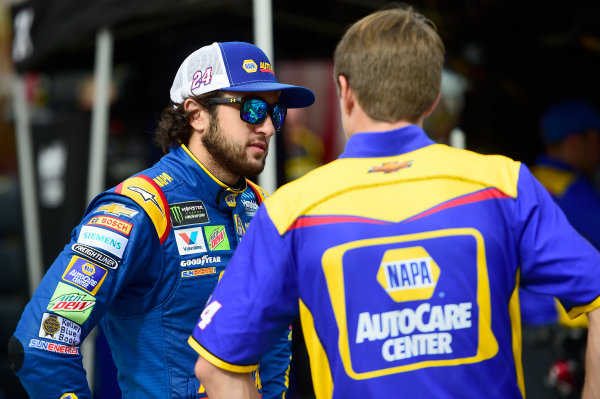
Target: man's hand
{"type": "Point", "coordinates": [222, 384]}
{"type": "Point", "coordinates": [591, 387]}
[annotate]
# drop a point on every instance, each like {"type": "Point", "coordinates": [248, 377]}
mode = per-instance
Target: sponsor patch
{"type": "Point", "coordinates": [117, 209]}
{"type": "Point", "coordinates": [239, 226]}
{"type": "Point", "coordinates": [52, 347]}
{"type": "Point", "coordinates": [163, 179]}
{"type": "Point", "coordinates": [60, 329]}
{"type": "Point", "coordinates": [112, 223]}
{"type": "Point", "coordinates": [205, 259]}
{"type": "Point", "coordinates": [266, 67]}
{"type": "Point", "coordinates": [84, 274]}
{"type": "Point", "coordinates": [72, 303]}
{"type": "Point", "coordinates": [249, 66]}
{"type": "Point", "coordinates": [188, 213]}
{"type": "Point", "coordinates": [216, 236]}
{"type": "Point", "coordinates": [69, 395]}
{"type": "Point", "coordinates": [230, 200]}
{"type": "Point", "coordinates": [104, 239]}
{"type": "Point", "coordinates": [250, 206]}
{"type": "Point", "coordinates": [95, 255]}
{"type": "Point", "coordinates": [199, 272]}
{"type": "Point", "coordinates": [190, 241]}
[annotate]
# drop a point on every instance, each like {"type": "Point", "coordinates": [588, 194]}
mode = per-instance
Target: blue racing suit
{"type": "Point", "coordinates": [142, 263]}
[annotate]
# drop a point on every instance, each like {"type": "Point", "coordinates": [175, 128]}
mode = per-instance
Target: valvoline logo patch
{"type": "Point", "coordinates": [408, 274]}
{"type": "Point", "coordinates": [249, 66]}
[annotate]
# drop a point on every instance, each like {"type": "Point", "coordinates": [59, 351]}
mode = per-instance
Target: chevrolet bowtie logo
{"type": "Point", "coordinates": [388, 167]}
{"type": "Point", "coordinates": [117, 209]}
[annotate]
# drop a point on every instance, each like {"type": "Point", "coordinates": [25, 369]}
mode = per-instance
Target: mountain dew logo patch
{"type": "Point", "coordinates": [72, 303]}
{"type": "Point", "coordinates": [216, 237]}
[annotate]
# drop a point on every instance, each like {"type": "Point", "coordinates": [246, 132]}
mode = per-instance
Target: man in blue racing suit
{"type": "Point", "coordinates": [149, 251]}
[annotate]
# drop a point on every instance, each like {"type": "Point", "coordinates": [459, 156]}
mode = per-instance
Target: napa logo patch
{"type": "Point", "coordinates": [72, 303]}
{"type": "Point", "coordinates": [249, 66]}
{"type": "Point", "coordinates": [408, 274]}
{"type": "Point", "coordinates": [86, 275]}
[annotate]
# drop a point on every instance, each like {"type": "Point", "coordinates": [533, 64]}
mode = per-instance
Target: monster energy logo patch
{"type": "Point", "coordinates": [188, 213]}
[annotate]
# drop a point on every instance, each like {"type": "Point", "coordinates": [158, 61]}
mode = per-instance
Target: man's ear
{"type": "Point", "coordinates": [434, 105]}
{"type": "Point", "coordinates": [347, 98]}
{"type": "Point", "coordinates": [199, 116]}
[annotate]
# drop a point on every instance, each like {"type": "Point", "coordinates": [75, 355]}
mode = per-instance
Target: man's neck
{"type": "Point", "coordinates": [215, 168]}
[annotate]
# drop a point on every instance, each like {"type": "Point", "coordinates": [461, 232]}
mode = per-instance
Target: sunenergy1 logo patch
{"type": "Point", "coordinates": [72, 303]}
{"type": "Point", "coordinates": [190, 241]}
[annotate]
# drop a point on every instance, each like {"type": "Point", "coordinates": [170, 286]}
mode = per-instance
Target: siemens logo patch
{"type": "Point", "coordinates": [104, 239]}
{"type": "Point", "coordinates": [414, 332]}
{"type": "Point", "coordinates": [188, 213]}
{"type": "Point", "coordinates": [95, 255]}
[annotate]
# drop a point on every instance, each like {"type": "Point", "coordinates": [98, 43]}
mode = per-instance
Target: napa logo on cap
{"type": "Point", "coordinates": [408, 274]}
{"type": "Point", "coordinates": [249, 66]}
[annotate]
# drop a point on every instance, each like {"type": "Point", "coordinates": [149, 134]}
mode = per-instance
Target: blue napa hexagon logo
{"type": "Point", "coordinates": [408, 274]}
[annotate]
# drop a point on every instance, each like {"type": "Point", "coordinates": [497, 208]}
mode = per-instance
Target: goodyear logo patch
{"type": "Point", "coordinates": [84, 274]}
{"type": "Point", "coordinates": [249, 66]}
{"type": "Point", "coordinates": [216, 237]}
{"type": "Point", "coordinates": [117, 209]}
{"type": "Point", "coordinates": [112, 223]}
{"type": "Point", "coordinates": [408, 274]}
{"type": "Point", "coordinates": [199, 272]}
{"type": "Point", "coordinates": [60, 329]}
{"type": "Point", "coordinates": [72, 303]}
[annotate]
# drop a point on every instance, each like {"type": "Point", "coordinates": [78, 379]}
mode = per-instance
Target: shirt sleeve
{"type": "Point", "coordinates": [106, 249]}
{"type": "Point", "coordinates": [554, 258]}
{"type": "Point", "coordinates": [274, 368]}
{"type": "Point", "coordinates": [253, 304]}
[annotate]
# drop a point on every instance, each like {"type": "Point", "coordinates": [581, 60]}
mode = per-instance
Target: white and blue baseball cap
{"type": "Point", "coordinates": [233, 66]}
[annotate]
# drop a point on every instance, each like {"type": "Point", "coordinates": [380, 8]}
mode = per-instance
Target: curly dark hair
{"type": "Point", "coordinates": [174, 125]}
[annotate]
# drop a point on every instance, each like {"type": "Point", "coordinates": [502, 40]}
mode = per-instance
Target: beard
{"type": "Point", "coordinates": [229, 154]}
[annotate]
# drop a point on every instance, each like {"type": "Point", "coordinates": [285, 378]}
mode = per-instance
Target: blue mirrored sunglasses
{"type": "Point", "coordinates": [255, 110]}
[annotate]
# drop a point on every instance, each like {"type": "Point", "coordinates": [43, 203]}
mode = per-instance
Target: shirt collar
{"type": "Point", "coordinates": [386, 144]}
